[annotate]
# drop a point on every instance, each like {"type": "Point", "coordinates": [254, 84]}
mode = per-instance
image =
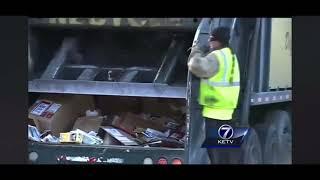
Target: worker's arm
{"type": "Point", "coordinates": [203, 66]}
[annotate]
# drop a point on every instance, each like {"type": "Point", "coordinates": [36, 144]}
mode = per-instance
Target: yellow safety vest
{"type": "Point", "coordinates": [219, 94]}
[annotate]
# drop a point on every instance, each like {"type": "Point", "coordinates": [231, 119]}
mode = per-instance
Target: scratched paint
{"type": "Point", "coordinates": [89, 159]}
{"type": "Point", "coordinates": [77, 159]}
{"type": "Point", "coordinates": [115, 160]}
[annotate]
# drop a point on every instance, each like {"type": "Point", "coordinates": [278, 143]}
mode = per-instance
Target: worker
{"type": "Point", "coordinates": [219, 81]}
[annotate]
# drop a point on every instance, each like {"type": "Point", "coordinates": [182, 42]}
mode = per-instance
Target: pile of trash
{"type": "Point", "coordinates": [34, 135]}
{"type": "Point", "coordinates": [127, 129]}
{"type": "Point", "coordinates": [56, 119]}
{"type": "Point", "coordinates": [147, 130]}
{"type": "Point", "coordinates": [77, 136]}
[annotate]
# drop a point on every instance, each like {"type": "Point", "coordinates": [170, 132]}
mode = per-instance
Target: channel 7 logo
{"type": "Point", "coordinates": [225, 136]}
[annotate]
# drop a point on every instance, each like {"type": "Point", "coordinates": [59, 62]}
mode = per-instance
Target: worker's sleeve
{"type": "Point", "coordinates": [203, 67]}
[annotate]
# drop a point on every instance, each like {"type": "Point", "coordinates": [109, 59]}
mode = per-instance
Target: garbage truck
{"type": "Point", "coordinates": [139, 65]}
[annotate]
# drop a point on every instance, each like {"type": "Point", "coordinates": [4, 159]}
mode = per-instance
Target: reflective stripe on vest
{"type": "Point", "coordinates": [221, 84]}
{"type": "Point", "coordinates": [225, 66]}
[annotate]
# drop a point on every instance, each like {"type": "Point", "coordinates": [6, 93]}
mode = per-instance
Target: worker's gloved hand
{"type": "Point", "coordinates": [198, 49]}
{"type": "Point", "coordinates": [195, 50]}
{"type": "Point", "coordinates": [204, 48]}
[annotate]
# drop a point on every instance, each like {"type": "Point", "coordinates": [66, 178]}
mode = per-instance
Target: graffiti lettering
{"type": "Point", "coordinates": [133, 22]}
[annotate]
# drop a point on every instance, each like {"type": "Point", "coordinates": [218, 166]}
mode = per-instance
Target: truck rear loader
{"type": "Point", "coordinates": [140, 64]}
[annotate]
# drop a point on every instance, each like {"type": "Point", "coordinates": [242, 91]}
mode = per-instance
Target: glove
{"type": "Point", "coordinates": [202, 49]}
{"type": "Point", "coordinates": [195, 50]}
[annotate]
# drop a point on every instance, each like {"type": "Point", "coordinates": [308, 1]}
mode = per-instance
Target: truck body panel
{"type": "Point", "coordinates": [154, 23]}
{"type": "Point", "coordinates": [281, 54]}
{"type": "Point", "coordinates": [75, 154]}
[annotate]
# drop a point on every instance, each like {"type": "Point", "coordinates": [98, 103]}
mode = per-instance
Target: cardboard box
{"type": "Point", "coordinates": [129, 122]}
{"type": "Point", "coordinates": [58, 112]}
{"type": "Point", "coordinates": [88, 123]}
{"type": "Point", "coordinates": [165, 122]}
{"type": "Point", "coordinates": [164, 107]}
{"type": "Point", "coordinates": [31, 122]}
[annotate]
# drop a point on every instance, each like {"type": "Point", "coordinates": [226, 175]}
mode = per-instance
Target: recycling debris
{"type": "Point", "coordinates": [45, 133]}
{"type": "Point", "coordinates": [154, 133]}
{"type": "Point", "coordinates": [127, 129]}
{"type": "Point", "coordinates": [111, 134]}
{"type": "Point", "coordinates": [80, 137]}
{"type": "Point", "coordinates": [71, 137]}
{"type": "Point", "coordinates": [129, 122]}
{"type": "Point", "coordinates": [50, 139]}
{"type": "Point", "coordinates": [33, 133]}
{"type": "Point", "coordinates": [89, 123]}
{"type": "Point", "coordinates": [58, 113]}
{"type": "Point", "coordinates": [154, 138]}
{"type": "Point", "coordinates": [89, 139]}
{"type": "Point", "coordinates": [46, 137]}
{"type": "Point", "coordinates": [74, 119]}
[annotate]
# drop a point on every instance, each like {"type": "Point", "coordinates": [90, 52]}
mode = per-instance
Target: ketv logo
{"type": "Point", "coordinates": [225, 137]}
{"type": "Point", "coordinates": [225, 132]}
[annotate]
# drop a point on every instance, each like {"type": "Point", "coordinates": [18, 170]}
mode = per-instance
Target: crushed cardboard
{"type": "Point", "coordinates": [129, 122]}
{"type": "Point", "coordinates": [114, 136]}
{"type": "Point", "coordinates": [89, 123]}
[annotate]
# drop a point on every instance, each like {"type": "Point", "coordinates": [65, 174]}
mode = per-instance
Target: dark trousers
{"type": "Point", "coordinates": [217, 155]}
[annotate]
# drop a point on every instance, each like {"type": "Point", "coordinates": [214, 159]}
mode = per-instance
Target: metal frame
{"type": "Point", "coordinates": [262, 66]}
{"type": "Point", "coordinates": [59, 77]}
{"type": "Point", "coordinates": [85, 84]}
{"type": "Point", "coordinates": [166, 70]}
{"type": "Point", "coordinates": [56, 64]}
{"type": "Point", "coordinates": [107, 88]}
{"type": "Point", "coordinates": [251, 74]}
{"type": "Point", "coordinates": [185, 24]}
{"type": "Point", "coordinates": [129, 155]}
{"type": "Point", "coordinates": [88, 74]}
{"type": "Point", "coordinates": [195, 123]}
